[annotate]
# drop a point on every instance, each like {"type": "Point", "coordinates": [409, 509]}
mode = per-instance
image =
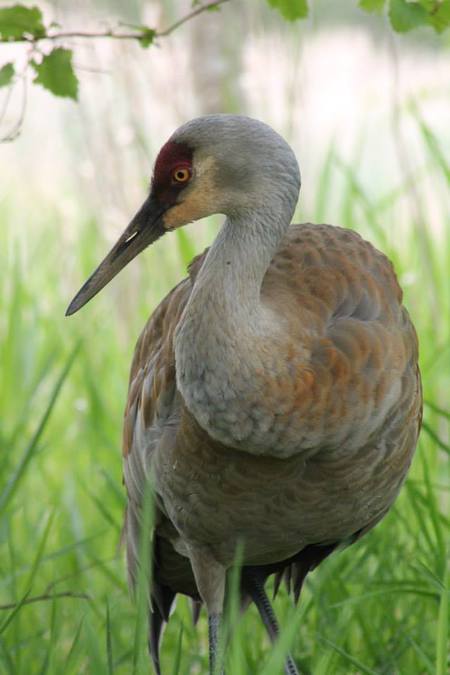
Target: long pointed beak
{"type": "Point", "coordinates": [145, 228]}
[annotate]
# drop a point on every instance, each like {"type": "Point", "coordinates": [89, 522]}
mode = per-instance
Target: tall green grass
{"type": "Point", "coordinates": [380, 606]}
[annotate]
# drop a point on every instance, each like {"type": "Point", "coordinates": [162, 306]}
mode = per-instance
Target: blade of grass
{"type": "Point", "coordinates": [348, 657]}
{"type": "Point", "coordinates": [444, 446]}
{"type": "Point", "coordinates": [103, 510]}
{"type": "Point", "coordinates": [92, 643]}
{"type": "Point", "coordinates": [100, 565]}
{"type": "Point", "coordinates": [178, 652]}
{"type": "Point", "coordinates": [7, 658]}
{"type": "Point", "coordinates": [357, 192]}
{"type": "Point", "coordinates": [109, 652]}
{"type": "Point", "coordinates": [51, 641]}
{"type": "Point", "coordinates": [39, 553]}
{"type": "Point", "coordinates": [30, 398]}
{"type": "Point", "coordinates": [424, 659]}
{"type": "Point", "coordinates": [116, 489]}
{"type": "Point", "coordinates": [15, 611]}
{"type": "Point", "coordinates": [143, 576]}
{"type": "Point", "coordinates": [324, 184]}
{"type": "Point", "coordinates": [185, 247]}
{"type": "Point", "coordinates": [12, 485]}
{"type": "Point", "coordinates": [432, 143]}
{"type": "Point", "coordinates": [73, 646]}
{"type": "Point", "coordinates": [442, 637]}
{"type": "Point", "coordinates": [437, 409]}
{"type": "Point", "coordinates": [284, 643]}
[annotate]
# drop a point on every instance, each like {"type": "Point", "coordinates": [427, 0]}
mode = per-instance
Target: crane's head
{"type": "Point", "coordinates": [213, 164]}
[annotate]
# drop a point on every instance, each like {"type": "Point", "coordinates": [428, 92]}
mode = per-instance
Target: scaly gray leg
{"type": "Point", "coordinates": [210, 579]}
{"type": "Point", "coordinates": [214, 622]}
{"type": "Point", "coordinates": [255, 587]}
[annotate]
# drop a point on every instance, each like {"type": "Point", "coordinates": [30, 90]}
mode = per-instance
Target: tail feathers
{"type": "Point", "coordinates": [295, 571]}
{"type": "Point", "coordinates": [162, 600]}
{"type": "Point", "coordinates": [155, 627]}
{"type": "Point", "coordinates": [299, 576]}
{"type": "Point", "coordinates": [310, 558]}
{"type": "Point", "coordinates": [196, 607]}
{"type": "Point", "coordinates": [277, 583]}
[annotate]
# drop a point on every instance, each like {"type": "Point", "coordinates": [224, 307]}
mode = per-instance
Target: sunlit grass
{"type": "Point", "coordinates": [380, 606]}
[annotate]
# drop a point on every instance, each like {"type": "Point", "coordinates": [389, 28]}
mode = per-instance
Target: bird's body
{"type": "Point", "coordinates": [348, 364]}
{"type": "Point", "coordinates": [274, 398]}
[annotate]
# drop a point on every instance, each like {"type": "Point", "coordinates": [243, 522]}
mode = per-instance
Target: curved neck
{"type": "Point", "coordinates": [222, 338]}
{"type": "Point", "coordinates": [238, 260]}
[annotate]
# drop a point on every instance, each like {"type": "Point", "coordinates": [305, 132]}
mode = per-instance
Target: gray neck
{"type": "Point", "coordinates": [222, 339]}
{"type": "Point", "coordinates": [237, 261]}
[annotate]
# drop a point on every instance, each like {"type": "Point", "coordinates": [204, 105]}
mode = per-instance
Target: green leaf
{"type": "Point", "coordinates": [372, 5]}
{"type": "Point", "coordinates": [438, 12]}
{"type": "Point", "coordinates": [440, 17]}
{"type": "Point", "coordinates": [405, 16]}
{"type": "Point", "coordinates": [6, 74]}
{"type": "Point", "coordinates": [147, 37]}
{"type": "Point", "coordinates": [290, 9]}
{"type": "Point", "coordinates": [56, 73]}
{"type": "Point", "coordinates": [17, 21]}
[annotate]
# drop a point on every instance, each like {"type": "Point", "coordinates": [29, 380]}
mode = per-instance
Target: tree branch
{"type": "Point", "coordinates": [14, 132]}
{"type": "Point", "coordinates": [195, 12]}
{"type": "Point", "coordinates": [139, 34]}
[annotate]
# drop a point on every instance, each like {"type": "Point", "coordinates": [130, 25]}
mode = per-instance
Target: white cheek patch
{"type": "Point", "coordinates": [204, 166]}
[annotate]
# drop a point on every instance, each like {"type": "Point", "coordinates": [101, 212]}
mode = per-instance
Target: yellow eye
{"type": "Point", "coordinates": [181, 175]}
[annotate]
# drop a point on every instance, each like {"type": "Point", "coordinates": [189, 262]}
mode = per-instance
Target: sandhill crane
{"type": "Point", "coordinates": [275, 396]}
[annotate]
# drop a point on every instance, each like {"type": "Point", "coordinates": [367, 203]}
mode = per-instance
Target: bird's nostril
{"type": "Point", "coordinates": [122, 245]}
{"type": "Point", "coordinates": [132, 236]}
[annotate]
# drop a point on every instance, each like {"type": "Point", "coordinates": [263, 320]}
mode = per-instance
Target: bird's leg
{"type": "Point", "coordinates": [254, 585]}
{"type": "Point", "coordinates": [210, 577]}
{"type": "Point", "coordinates": [214, 622]}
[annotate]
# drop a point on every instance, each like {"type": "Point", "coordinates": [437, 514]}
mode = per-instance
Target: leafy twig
{"type": "Point", "coordinates": [195, 12]}
{"type": "Point", "coordinates": [55, 70]}
{"type": "Point", "coordinates": [141, 34]}
{"type": "Point", "coordinates": [13, 133]}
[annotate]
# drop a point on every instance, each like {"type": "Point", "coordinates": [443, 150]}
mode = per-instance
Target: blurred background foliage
{"type": "Point", "coordinates": [367, 113]}
{"type": "Point", "coordinates": [54, 69]}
